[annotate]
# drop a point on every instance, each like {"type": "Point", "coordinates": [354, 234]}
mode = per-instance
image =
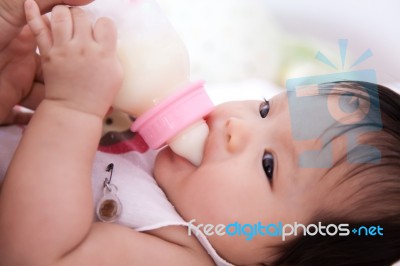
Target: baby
{"type": "Point", "coordinates": [252, 172]}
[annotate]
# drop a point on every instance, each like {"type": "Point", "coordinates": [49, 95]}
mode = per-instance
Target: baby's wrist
{"type": "Point", "coordinates": [72, 107]}
{"type": "Point", "coordinates": [81, 106]}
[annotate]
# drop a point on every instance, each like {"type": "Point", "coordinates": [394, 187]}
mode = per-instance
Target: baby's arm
{"type": "Point", "coordinates": [46, 206]}
{"type": "Point", "coordinates": [46, 201]}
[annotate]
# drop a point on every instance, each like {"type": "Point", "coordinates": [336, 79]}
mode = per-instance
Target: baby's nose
{"type": "Point", "coordinates": [239, 133]}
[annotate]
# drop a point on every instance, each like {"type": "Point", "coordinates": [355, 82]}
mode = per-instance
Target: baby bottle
{"type": "Point", "coordinates": [156, 89]}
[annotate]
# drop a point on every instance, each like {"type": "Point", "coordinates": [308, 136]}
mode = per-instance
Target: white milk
{"type": "Point", "coordinates": [155, 63]}
{"type": "Point", "coordinates": [152, 71]}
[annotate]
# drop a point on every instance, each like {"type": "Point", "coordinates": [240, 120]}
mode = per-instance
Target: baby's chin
{"type": "Point", "coordinates": [171, 168]}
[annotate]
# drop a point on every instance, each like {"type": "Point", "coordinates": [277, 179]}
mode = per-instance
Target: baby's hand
{"type": "Point", "coordinates": [80, 65]}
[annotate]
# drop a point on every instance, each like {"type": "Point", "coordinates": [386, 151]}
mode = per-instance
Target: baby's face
{"type": "Point", "coordinates": [249, 174]}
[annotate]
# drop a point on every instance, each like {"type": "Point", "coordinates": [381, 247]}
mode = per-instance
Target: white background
{"type": "Point", "coordinates": [366, 24]}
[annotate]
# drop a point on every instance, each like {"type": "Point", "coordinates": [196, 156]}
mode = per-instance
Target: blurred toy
{"type": "Point", "coordinates": [117, 136]}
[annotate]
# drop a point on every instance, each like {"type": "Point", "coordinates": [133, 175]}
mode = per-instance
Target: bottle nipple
{"type": "Point", "coordinates": [190, 142]}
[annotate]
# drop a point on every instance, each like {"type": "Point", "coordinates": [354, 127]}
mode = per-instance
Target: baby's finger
{"type": "Point", "coordinates": [105, 33]}
{"type": "Point", "coordinates": [38, 26]}
{"type": "Point", "coordinates": [82, 24]}
{"type": "Point", "coordinates": [61, 25]}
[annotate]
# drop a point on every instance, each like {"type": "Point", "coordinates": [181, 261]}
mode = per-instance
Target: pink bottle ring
{"type": "Point", "coordinates": [165, 120]}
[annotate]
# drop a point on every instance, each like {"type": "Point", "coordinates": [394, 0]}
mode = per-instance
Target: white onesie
{"type": "Point", "coordinates": [145, 206]}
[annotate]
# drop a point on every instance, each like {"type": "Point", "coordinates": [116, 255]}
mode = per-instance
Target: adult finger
{"type": "Point", "coordinates": [17, 116]}
{"type": "Point", "coordinates": [46, 5]}
{"type": "Point", "coordinates": [8, 100]}
{"type": "Point", "coordinates": [35, 96]}
{"type": "Point", "coordinates": [39, 70]}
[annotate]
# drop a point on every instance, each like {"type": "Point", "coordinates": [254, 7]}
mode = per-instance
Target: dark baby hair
{"type": "Point", "coordinates": [377, 199]}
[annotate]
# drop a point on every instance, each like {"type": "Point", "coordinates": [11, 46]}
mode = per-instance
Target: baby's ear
{"type": "Point", "coordinates": [105, 33]}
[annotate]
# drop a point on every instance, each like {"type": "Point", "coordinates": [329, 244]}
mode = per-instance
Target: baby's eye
{"type": "Point", "coordinates": [264, 108]}
{"type": "Point", "coordinates": [268, 165]}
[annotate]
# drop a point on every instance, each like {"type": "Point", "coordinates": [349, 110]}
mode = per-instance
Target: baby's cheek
{"type": "Point", "coordinates": [165, 172]}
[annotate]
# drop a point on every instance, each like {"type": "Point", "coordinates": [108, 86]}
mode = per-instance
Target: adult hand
{"type": "Point", "coordinates": [21, 81]}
